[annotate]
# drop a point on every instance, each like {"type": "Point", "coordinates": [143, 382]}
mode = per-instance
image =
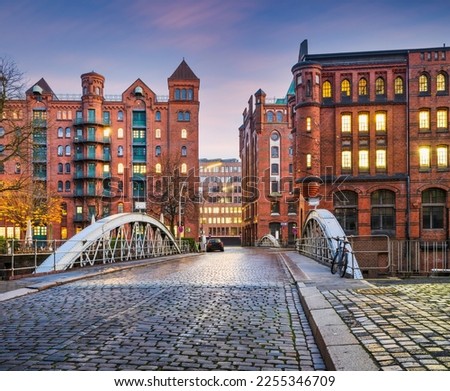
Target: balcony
{"type": "Point", "coordinates": [92, 139]}
{"type": "Point", "coordinates": [102, 157]}
{"type": "Point", "coordinates": [92, 121]}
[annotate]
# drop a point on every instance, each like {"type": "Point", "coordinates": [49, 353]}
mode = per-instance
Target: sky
{"type": "Point", "coordinates": [235, 47]}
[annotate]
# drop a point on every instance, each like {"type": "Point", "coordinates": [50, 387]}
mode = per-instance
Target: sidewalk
{"type": "Point", "coordinates": [390, 325]}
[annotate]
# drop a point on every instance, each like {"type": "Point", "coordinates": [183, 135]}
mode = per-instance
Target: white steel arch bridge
{"type": "Point", "coordinates": [317, 242]}
{"type": "Point", "coordinates": [120, 237]}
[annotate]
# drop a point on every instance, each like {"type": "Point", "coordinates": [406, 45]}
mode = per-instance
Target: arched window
{"type": "Point", "coordinates": [183, 151]}
{"type": "Point", "coordinates": [380, 86]}
{"type": "Point", "coordinates": [183, 133]}
{"type": "Point", "coordinates": [68, 132]}
{"type": "Point", "coordinates": [120, 150]}
{"type": "Point", "coordinates": [158, 168]}
{"type": "Point", "coordinates": [177, 94]}
{"type": "Point", "coordinates": [326, 89]}
{"type": "Point", "coordinates": [184, 168]}
{"type": "Point", "coordinates": [269, 116]}
{"type": "Point", "coordinates": [158, 116]}
{"type": "Point", "coordinates": [120, 133]}
{"type": "Point", "coordinates": [183, 94]}
{"type": "Point", "coordinates": [120, 115]}
{"type": "Point", "coordinates": [398, 86]}
{"type": "Point", "coordinates": [120, 168]}
{"type": "Point", "coordinates": [67, 168]}
{"type": "Point", "coordinates": [433, 209]}
{"type": "Point", "coordinates": [441, 82]}
{"type": "Point", "coordinates": [345, 204]}
{"type": "Point", "coordinates": [60, 186]}
{"type": "Point", "coordinates": [67, 186]}
{"type": "Point", "coordinates": [345, 88]}
{"type": "Point", "coordinates": [279, 116]}
{"type": "Point", "coordinates": [362, 87]}
{"type": "Point", "coordinates": [60, 132]}
{"type": "Point", "coordinates": [180, 116]}
{"type": "Point", "coordinates": [158, 133]}
{"type": "Point", "coordinates": [158, 151]}
{"type": "Point", "coordinates": [190, 94]}
{"type": "Point", "coordinates": [383, 212]}
{"type": "Point", "coordinates": [187, 116]}
{"type": "Point", "coordinates": [60, 168]}
{"type": "Point", "coordinates": [67, 149]}
{"type": "Point", "coordinates": [424, 84]}
{"type": "Point", "coordinates": [60, 150]}
{"type": "Point", "coordinates": [120, 207]}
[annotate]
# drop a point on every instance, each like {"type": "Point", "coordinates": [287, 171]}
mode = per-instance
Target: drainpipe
{"type": "Point", "coordinates": [408, 165]}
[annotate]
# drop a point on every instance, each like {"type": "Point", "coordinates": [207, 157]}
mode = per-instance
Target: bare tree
{"type": "Point", "coordinates": [15, 129]}
{"type": "Point", "coordinates": [171, 192]}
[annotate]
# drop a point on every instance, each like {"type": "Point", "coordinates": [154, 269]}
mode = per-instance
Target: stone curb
{"type": "Point", "coordinates": [340, 349]}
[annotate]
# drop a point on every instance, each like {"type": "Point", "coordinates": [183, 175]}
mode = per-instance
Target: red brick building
{"type": "Point", "coordinates": [100, 153]}
{"type": "Point", "coordinates": [269, 205]}
{"type": "Point", "coordinates": [374, 128]}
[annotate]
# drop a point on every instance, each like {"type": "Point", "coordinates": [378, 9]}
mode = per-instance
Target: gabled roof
{"type": "Point", "coordinates": [183, 72]}
{"type": "Point", "coordinates": [44, 85]}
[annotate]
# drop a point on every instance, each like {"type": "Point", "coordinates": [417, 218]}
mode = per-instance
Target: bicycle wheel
{"type": "Point", "coordinates": [343, 264]}
{"type": "Point", "coordinates": [334, 262]}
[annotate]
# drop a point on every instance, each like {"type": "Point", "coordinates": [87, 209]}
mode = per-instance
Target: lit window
{"type": "Point", "coordinates": [184, 168]}
{"type": "Point", "coordinates": [423, 83]}
{"type": "Point", "coordinates": [442, 119]}
{"type": "Point", "coordinates": [441, 82]}
{"type": "Point", "coordinates": [326, 89]}
{"type": "Point", "coordinates": [120, 133]}
{"type": "Point", "coordinates": [398, 86]}
{"type": "Point", "coordinates": [308, 160]}
{"type": "Point", "coordinates": [346, 123]}
{"type": "Point", "coordinates": [158, 168]}
{"type": "Point", "coordinates": [345, 88]}
{"type": "Point", "coordinates": [362, 87]}
{"type": "Point", "coordinates": [380, 122]}
{"type": "Point", "coordinates": [346, 160]}
{"type": "Point", "coordinates": [424, 157]}
{"type": "Point", "coordinates": [158, 133]}
{"type": "Point", "coordinates": [424, 120]}
{"type": "Point", "coordinates": [442, 156]}
{"type": "Point", "coordinates": [364, 160]}
{"type": "Point", "coordinates": [183, 133]}
{"type": "Point", "coordinates": [308, 124]}
{"type": "Point", "coordinates": [363, 122]}
{"type": "Point", "coordinates": [120, 168]}
{"type": "Point", "coordinates": [139, 168]}
{"type": "Point", "coordinates": [380, 161]}
{"type": "Point", "coordinates": [379, 86]}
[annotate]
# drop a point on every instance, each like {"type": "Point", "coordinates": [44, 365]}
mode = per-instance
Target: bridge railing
{"type": "Point", "coordinates": [22, 257]}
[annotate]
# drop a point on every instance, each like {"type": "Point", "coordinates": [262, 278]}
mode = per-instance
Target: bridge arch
{"type": "Point", "coordinates": [316, 241]}
{"type": "Point", "coordinates": [120, 237]}
{"type": "Point", "coordinates": [268, 241]}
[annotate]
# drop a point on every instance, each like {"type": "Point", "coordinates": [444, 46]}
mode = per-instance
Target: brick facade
{"type": "Point", "coordinates": [374, 127]}
{"type": "Point", "coordinates": [99, 152]}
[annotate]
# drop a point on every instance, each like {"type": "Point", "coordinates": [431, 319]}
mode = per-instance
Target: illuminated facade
{"type": "Point", "coordinates": [97, 151]}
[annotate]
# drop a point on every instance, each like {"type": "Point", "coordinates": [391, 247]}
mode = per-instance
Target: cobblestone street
{"type": "Point", "coordinates": [404, 326]}
{"type": "Point", "coordinates": [237, 310]}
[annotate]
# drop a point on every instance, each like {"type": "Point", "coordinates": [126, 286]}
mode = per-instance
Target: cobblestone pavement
{"type": "Point", "coordinates": [237, 310]}
{"type": "Point", "coordinates": [403, 326]}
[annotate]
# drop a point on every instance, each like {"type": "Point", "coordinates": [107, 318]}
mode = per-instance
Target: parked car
{"type": "Point", "coordinates": [214, 245]}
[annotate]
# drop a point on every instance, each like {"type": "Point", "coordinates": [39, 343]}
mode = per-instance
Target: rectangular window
{"type": "Point", "coordinates": [363, 122]}
{"type": "Point", "coordinates": [91, 115]}
{"type": "Point", "coordinates": [433, 217]}
{"type": "Point", "coordinates": [346, 123]}
{"type": "Point", "coordinates": [308, 124]}
{"type": "Point", "coordinates": [308, 160]}
{"type": "Point", "coordinates": [442, 156]}
{"type": "Point", "coordinates": [442, 119]}
{"type": "Point", "coordinates": [364, 160]}
{"type": "Point", "coordinates": [346, 160]}
{"type": "Point", "coordinates": [424, 157]}
{"type": "Point", "coordinates": [380, 122]}
{"type": "Point", "coordinates": [139, 168]}
{"type": "Point", "coordinates": [380, 159]}
{"type": "Point", "coordinates": [139, 118]}
{"type": "Point", "coordinates": [424, 120]}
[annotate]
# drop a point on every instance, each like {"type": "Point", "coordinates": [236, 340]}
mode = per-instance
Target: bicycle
{"type": "Point", "coordinates": [340, 259]}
